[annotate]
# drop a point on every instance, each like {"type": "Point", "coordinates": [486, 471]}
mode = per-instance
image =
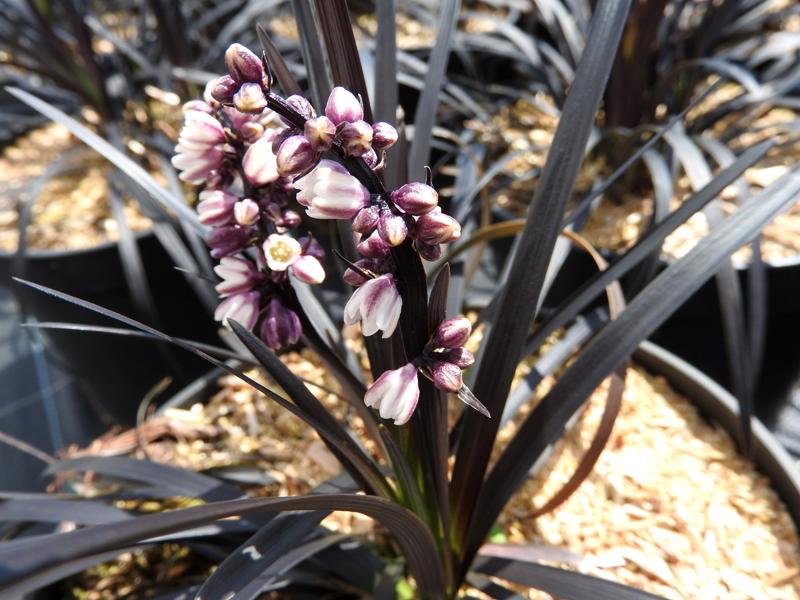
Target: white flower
{"type": "Point", "coordinates": [395, 394]}
{"type": "Point", "coordinates": [330, 192]}
{"type": "Point", "coordinates": [242, 308]}
{"type": "Point", "coordinates": [238, 275]}
{"type": "Point", "coordinates": [199, 151]}
{"type": "Point", "coordinates": [283, 252]}
{"type": "Point", "coordinates": [377, 304]}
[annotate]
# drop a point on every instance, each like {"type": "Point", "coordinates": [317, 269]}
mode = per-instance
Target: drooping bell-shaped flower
{"type": "Point", "coordinates": [281, 326]}
{"type": "Point", "coordinates": [377, 304]}
{"type": "Point", "coordinates": [238, 275]}
{"type": "Point", "coordinates": [242, 308]}
{"type": "Point", "coordinates": [199, 151]}
{"type": "Point", "coordinates": [395, 394]}
{"type": "Point", "coordinates": [330, 192]}
{"type": "Point", "coordinates": [260, 164]}
{"type": "Point", "coordinates": [216, 207]}
{"type": "Point", "coordinates": [343, 107]}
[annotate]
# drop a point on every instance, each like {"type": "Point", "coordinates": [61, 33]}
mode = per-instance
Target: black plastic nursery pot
{"type": "Point", "coordinates": [113, 372]}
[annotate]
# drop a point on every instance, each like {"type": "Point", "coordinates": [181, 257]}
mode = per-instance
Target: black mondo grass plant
{"type": "Point", "coordinates": [270, 162]}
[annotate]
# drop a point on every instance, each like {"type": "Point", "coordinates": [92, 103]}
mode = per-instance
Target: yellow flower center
{"type": "Point", "coordinates": [281, 252]}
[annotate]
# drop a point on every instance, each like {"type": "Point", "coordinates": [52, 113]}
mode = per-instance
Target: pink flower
{"type": "Point", "coordinates": [216, 207]}
{"type": "Point", "coordinates": [330, 192]}
{"type": "Point", "coordinates": [395, 394]}
{"type": "Point", "coordinates": [199, 151]}
{"type": "Point", "coordinates": [377, 304]}
{"type": "Point", "coordinates": [238, 275]}
{"type": "Point", "coordinates": [242, 308]}
{"type": "Point", "coordinates": [283, 252]}
{"type": "Point", "coordinates": [259, 163]}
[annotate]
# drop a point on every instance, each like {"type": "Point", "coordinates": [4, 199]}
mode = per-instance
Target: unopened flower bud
{"type": "Point", "coordinates": [356, 138]}
{"type": "Point", "coordinates": [320, 132]}
{"type": "Point", "coordinates": [429, 252]}
{"type": "Point", "coordinates": [250, 98]}
{"type": "Point", "coordinates": [446, 376]}
{"type": "Point", "coordinates": [289, 219]}
{"type": "Point", "coordinates": [384, 136]}
{"type": "Point", "coordinates": [296, 155]}
{"type": "Point", "coordinates": [437, 228]}
{"type": "Point", "coordinates": [312, 247]}
{"type": "Point", "coordinates": [370, 158]}
{"type": "Point", "coordinates": [343, 107]}
{"type": "Point", "coordinates": [452, 333]}
{"type": "Point", "coordinates": [227, 240]}
{"type": "Point", "coordinates": [353, 277]}
{"type": "Point", "coordinates": [251, 132]}
{"type": "Point", "coordinates": [415, 198]}
{"type": "Point", "coordinates": [392, 228]}
{"type": "Point", "coordinates": [367, 219]}
{"type": "Point", "coordinates": [223, 88]}
{"type": "Point", "coordinates": [281, 326]}
{"type": "Point", "coordinates": [308, 270]}
{"type": "Point", "coordinates": [216, 207]}
{"type": "Point", "coordinates": [301, 106]}
{"type": "Point", "coordinates": [374, 247]}
{"type": "Point", "coordinates": [460, 357]}
{"type": "Point", "coordinates": [243, 65]}
{"type": "Point", "coordinates": [246, 212]}
{"type": "Point", "coordinates": [242, 308]}
{"type": "Point", "coordinates": [259, 163]}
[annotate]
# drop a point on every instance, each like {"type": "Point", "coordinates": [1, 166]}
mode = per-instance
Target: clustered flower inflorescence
{"type": "Point", "coordinates": [251, 149]}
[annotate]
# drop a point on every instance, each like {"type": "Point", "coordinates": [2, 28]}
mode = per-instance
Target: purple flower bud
{"type": "Point", "coordinates": [312, 247]}
{"type": "Point", "coordinates": [295, 156]}
{"type": "Point", "coordinates": [259, 164]}
{"type": "Point", "coordinates": [216, 207]}
{"type": "Point", "coordinates": [223, 88]}
{"type": "Point", "coordinates": [250, 98]}
{"type": "Point", "coordinates": [243, 65]}
{"type": "Point", "coordinates": [395, 394]}
{"type": "Point", "coordinates": [343, 107]}
{"type": "Point", "coordinates": [353, 278]}
{"type": "Point", "coordinates": [246, 212]}
{"type": "Point", "coordinates": [242, 308]}
{"type": "Point", "coordinates": [415, 198]}
{"type": "Point", "coordinates": [320, 132]}
{"type": "Point", "coordinates": [374, 246]}
{"type": "Point", "coordinates": [238, 275]}
{"type": "Point", "coordinates": [308, 270]}
{"type": "Point", "coordinates": [384, 136]}
{"type": "Point", "coordinates": [452, 333]}
{"type": "Point", "coordinates": [288, 219]}
{"type": "Point", "coordinates": [366, 220]}
{"type": "Point", "coordinates": [228, 239]}
{"type": "Point", "coordinates": [281, 137]}
{"type": "Point", "coordinates": [460, 357]}
{"type": "Point", "coordinates": [301, 106]}
{"type": "Point", "coordinates": [446, 376]}
{"type": "Point", "coordinates": [437, 228]}
{"type": "Point", "coordinates": [356, 138]}
{"type": "Point", "coordinates": [392, 228]}
{"type": "Point", "coordinates": [370, 158]}
{"type": "Point", "coordinates": [429, 252]}
{"type": "Point", "coordinates": [281, 326]}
